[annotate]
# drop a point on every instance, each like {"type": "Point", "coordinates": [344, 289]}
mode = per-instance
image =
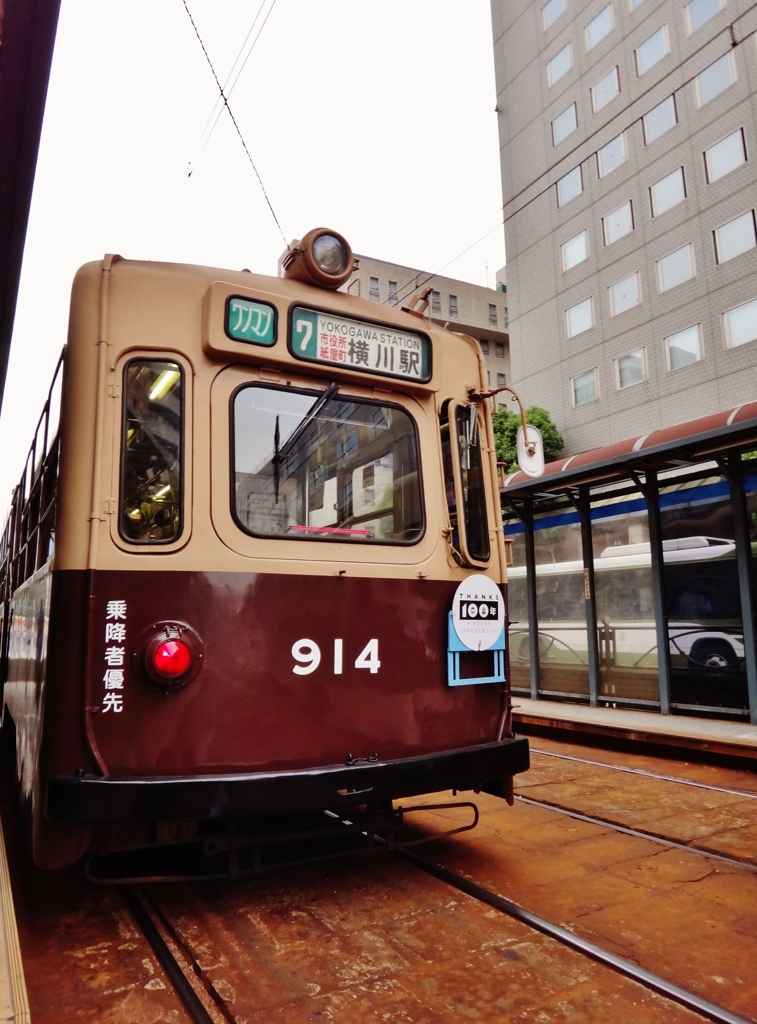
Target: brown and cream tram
{"type": "Point", "coordinates": [255, 565]}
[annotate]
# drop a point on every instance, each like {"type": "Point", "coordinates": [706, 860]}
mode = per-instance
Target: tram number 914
{"type": "Point", "coordinates": [307, 654]}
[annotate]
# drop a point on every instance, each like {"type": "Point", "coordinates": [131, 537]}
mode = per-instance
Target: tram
{"type": "Point", "coordinates": [255, 565]}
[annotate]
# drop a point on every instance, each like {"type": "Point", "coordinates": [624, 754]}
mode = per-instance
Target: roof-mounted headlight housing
{"type": "Point", "coordinates": [323, 258]}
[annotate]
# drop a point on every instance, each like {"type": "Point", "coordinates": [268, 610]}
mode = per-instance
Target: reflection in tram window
{"type": "Point", "coordinates": [151, 445]}
{"type": "Point", "coordinates": [317, 466]}
{"type": "Point", "coordinates": [474, 497]}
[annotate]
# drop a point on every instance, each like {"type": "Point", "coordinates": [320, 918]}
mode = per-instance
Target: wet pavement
{"type": "Point", "coordinates": [356, 940]}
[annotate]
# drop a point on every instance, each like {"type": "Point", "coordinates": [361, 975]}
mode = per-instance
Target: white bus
{"type": "Point", "coordinates": [701, 603]}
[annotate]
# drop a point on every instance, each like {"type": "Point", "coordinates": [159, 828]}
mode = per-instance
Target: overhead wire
{"type": "Point", "coordinates": [428, 275]}
{"type": "Point", "coordinates": [225, 100]}
{"type": "Point", "coordinates": [228, 87]}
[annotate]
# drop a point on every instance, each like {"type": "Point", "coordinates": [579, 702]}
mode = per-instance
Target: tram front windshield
{"type": "Point", "coordinates": [319, 465]}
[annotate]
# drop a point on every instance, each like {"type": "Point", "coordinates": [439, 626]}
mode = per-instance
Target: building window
{"type": "Point", "coordinates": [569, 186]}
{"type": "Point", "coordinates": [552, 11]}
{"type": "Point", "coordinates": [373, 291]}
{"type": "Point", "coordinates": [575, 250]}
{"type": "Point", "coordinates": [698, 12]}
{"type": "Point", "coordinates": [631, 369]}
{"type": "Point", "coordinates": [715, 79]}
{"type": "Point", "coordinates": [618, 223]}
{"type": "Point", "coordinates": [453, 305]}
{"type": "Point", "coordinates": [652, 50]}
{"type": "Point", "coordinates": [489, 377]}
{"type": "Point", "coordinates": [624, 295]}
{"type": "Point", "coordinates": [507, 317]}
{"type": "Point", "coordinates": [606, 89]}
{"type": "Point", "coordinates": [484, 347]}
{"type": "Point", "coordinates": [599, 27]}
{"type": "Point", "coordinates": [501, 381]}
{"type": "Point", "coordinates": [579, 318]}
{"type": "Point", "coordinates": [492, 314]}
{"type": "Point", "coordinates": [725, 156]}
{"type": "Point", "coordinates": [436, 304]}
{"type": "Point", "coordinates": [740, 324]}
{"type": "Point", "coordinates": [584, 387]}
{"type": "Point", "coordinates": [560, 65]}
{"type": "Point", "coordinates": [675, 268]}
{"type": "Point", "coordinates": [499, 350]}
{"type": "Point", "coordinates": [668, 192]}
{"type": "Point", "coordinates": [684, 347]}
{"type": "Point", "coordinates": [735, 237]}
{"type": "Point", "coordinates": [564, 124]}
{"type": "Point", "coordinates": [660, 119]}
{"type": "Point", "coordinates": [393, 297]}
{"type": "Point", "coordinates": [612, 155]}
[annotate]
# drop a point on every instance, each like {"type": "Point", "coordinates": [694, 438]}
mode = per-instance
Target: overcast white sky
{"type": "Point", "coordinates": [376, 119]}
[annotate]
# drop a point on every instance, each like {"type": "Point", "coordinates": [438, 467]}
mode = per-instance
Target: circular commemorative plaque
{"type": "Point", "coordinates": [478, 613]}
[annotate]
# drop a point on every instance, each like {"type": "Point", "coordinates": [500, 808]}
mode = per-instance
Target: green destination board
{"type": "Point", "coordinates": [247, 320]}
{"type": "Point", "coordinates": [359, 345]}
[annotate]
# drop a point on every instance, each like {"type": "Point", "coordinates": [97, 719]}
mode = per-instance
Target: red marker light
{"type": "Point", "coordinates": [172, 658]}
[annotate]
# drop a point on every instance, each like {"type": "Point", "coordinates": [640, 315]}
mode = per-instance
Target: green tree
{"type": "Point", "coordinates": [506, 423]}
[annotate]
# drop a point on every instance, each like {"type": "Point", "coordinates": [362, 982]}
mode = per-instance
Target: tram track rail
{"type": "Point", "coordinates": [635, 832]}
{"type": "Point", "coordinates": [684, 997]}
{"type": "Point", "coordinates": [177, 973]}
{"type": "Point", "coordinates": [187, 977]}
{"type": "Point", "coordinates": [644, 773]}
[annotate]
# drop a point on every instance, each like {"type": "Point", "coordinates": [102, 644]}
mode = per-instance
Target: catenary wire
{"type": "Point", "coordinates": [234, 121]}
{"type": "Point", "coordinates": [229, 85]}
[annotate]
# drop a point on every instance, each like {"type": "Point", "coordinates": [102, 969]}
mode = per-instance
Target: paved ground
{"type": "Point", "coordinates": [354, 941]}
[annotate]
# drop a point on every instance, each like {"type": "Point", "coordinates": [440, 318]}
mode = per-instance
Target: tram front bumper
{"type": "Point", "coordinates": [90, 799]}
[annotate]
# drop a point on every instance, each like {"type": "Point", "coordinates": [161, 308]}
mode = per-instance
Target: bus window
{"type": "Point", "coordinates": [151, 479]}
{"type": "Point", "coordinates": [324, 467]}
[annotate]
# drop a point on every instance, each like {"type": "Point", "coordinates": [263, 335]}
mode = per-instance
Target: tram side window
{"type": "Point", "coordinates": [320, 466]}
{"type": "Point", "coordinates": [151, 462]}
{"type": "Point", "coordinates": [473, 497]}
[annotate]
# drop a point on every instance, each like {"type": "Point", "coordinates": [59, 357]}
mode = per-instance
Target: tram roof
{"type": "Point", "coordinates": [27, 35]}
{"type": "Point", "coordinates": [682, 444]}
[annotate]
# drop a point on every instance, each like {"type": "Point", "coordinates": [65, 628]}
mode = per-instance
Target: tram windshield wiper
{"type": "Point", "coordinates": [320, 403]}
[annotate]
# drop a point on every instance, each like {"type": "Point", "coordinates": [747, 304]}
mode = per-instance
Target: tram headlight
{"type": "Point", "coordinates": [168, 655]}
{"type": "Point", "coordinates": [323, 257]}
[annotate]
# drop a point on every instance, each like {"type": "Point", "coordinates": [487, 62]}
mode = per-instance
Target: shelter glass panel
{"type": "Point", "coordinates": [626, 633]}
{"type": "Point", "coordinates": [563, 647]}
{"type": "Point", "coordinates": [702, 594]}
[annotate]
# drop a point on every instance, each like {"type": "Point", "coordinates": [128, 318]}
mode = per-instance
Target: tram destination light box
{"type": "Point", "coordinates": [356, 344]}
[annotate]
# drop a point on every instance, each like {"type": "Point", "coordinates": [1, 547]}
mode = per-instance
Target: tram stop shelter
{"type": "Point", "coordinates": [632, 583]}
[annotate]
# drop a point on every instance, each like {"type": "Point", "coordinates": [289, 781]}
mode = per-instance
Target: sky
{"type": "Point", "coordinates": [375, 119]}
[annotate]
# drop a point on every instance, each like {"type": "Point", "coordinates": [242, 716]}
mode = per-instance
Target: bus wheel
{"type": "Point", "coordinates": [715, 654]}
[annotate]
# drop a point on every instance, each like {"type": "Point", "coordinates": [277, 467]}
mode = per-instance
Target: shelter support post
{"type": "Point", "coordinates": [733, 470]}
{"type": "Point", "coordinates": [582, 504]}
{"type": "Point", "coordinates": [650, 489]}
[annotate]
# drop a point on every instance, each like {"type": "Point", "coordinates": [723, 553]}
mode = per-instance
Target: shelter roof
{"type": "Point", "coordinates": [681, 444]}
{"type": "Point", "coordinates": [27, 36]}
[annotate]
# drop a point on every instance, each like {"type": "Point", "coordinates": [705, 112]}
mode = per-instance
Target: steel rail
{"type": "Point", "coordinates": [177, 977]}
{"type": "Point", "coordinates": [637, 833]}
{"type": "Point", "coordinates": [643, 772]}
{"type": "Point", "coordinates": [690, 1000]}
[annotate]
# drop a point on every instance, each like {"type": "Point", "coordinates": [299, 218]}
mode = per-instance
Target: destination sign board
{"type": "Point", "coordinates": [359, 345]}
{"type": "Point", "coordinates": [247, 320]}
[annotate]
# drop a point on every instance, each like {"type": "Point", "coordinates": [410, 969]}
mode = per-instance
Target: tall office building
{"type": "Point", "coordinates": [628, 133]}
